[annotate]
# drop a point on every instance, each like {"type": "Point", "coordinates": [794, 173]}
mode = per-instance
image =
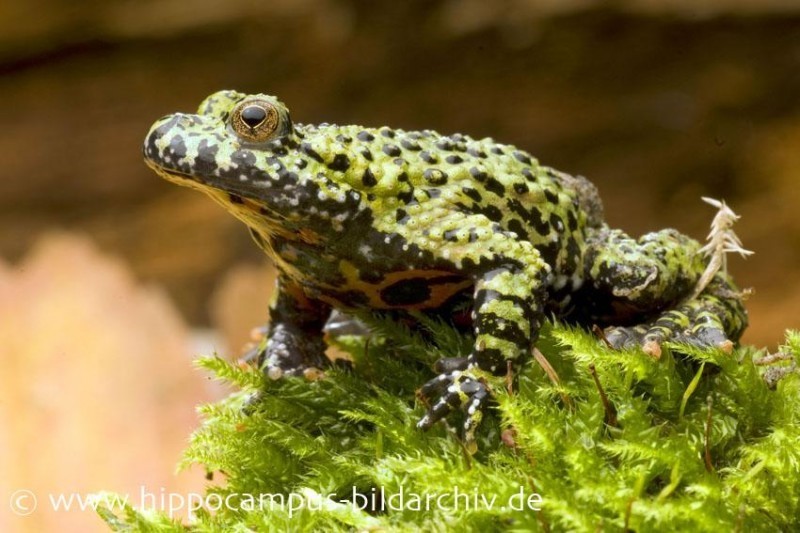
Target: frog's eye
{"type": "Point", "coordinates": [255, 120]}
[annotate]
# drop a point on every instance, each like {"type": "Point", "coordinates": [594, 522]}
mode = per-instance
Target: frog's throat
{"type": "Point", "coordinates": [256, 214]}
{"type": "Point", "coordinates": [234, 191]}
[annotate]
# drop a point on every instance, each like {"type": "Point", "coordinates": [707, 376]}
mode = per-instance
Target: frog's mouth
{"type": "Point", "coordinates": [216, 187]}
{"type": "Point", "coordinates": [174, 176]}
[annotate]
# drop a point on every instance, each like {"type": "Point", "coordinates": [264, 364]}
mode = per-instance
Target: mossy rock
{"type": "Point", "coordinates": [604, 440]}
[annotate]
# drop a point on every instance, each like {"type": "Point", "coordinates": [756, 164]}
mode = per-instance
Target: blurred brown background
{"type": "Point", "coordinates": [658, 102]}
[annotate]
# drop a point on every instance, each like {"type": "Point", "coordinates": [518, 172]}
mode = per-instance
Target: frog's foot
{"type": "Point", "coordinates": [253, 350]}
{"type": "Point", "coordinates": [675, 326]}
{"type": "Point", "coordinates": [455, 390]}
{"type": "Point", "coordinates": [715, 319]}
{"type": "Point", "coordinates": [289, 352]}
{"type": "Point", "coordinates": [702, 330]}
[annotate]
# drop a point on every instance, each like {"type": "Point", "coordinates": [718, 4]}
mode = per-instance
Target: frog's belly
{"type": "Point", "coordinates": [406, 289]}
{"type": "Point", "coordinates": [387, 283]}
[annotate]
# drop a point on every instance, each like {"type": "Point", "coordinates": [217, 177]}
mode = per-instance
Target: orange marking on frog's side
{"type": "Point", "coordinates": [440, 291]}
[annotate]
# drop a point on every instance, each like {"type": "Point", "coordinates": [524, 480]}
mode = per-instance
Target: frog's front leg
{"type": "Point", "coordinates": [508, 301]}
{"type": "Point", "coordinates": [655, 276]}
{"type": "Point", "coordinates": [294, 343]}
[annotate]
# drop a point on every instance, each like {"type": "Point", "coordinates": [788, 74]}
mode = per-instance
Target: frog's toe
{"type": "Point", "coordinates": [456, 390]}
{"type": "Point", "coordinates": [705, 330]}
{"type": "Point", "coordinates": [281, 360]}
{"type": "Point", "coordinates": [290, 353]}
{"type": "Point", "coordinates": [625, 337]}
{"type": "Point", "coordinates": [253, 350]}
{"type": "Point", "coordinates": [644, 336]}
{"type": "Point", "coordinates": [311, 373]}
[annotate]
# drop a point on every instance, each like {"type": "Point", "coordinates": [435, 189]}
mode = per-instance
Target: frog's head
{"type": "Point", "coordinates": [233, 149]}
{"type": "Point", "coordinates": [200, 150]}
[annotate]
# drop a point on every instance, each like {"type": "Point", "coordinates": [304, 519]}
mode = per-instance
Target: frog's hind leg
{"type": "Point", "coordinates": [656, 275]}
{"type": "Point", "coordinates": [714, 319]}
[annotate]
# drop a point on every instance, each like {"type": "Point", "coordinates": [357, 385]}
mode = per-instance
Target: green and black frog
{"type": "Point", "coordinates": [387, 219]}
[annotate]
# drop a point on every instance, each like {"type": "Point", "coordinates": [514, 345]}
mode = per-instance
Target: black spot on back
{"type": "Point", "coordinates": [391, 150]}
{"type": "Point", "coordinates": [492, 185]}
{"type": "Point", "coordinates": [310, 152]}
{"type": "Point", "coordinates": [406, 196]}
{"type": "Point", "coordinates": [517, 227]}
{"type": "Point", "coordinates": [409, 144]}
{"type": "Point", "coordinates": [531, 216]}
{"type": "Point", "coordinates": [522, 158]}
{"type": "Point", "coordinates": [451, 235]}
{"type": "Point", "coordinates": [434, 176]}
{"type": "Point", "coordinates": [428, 157]}
{"type": "Point", "coordinates": [340, 162]}
{"type": "Point", "coordinates": [478, 174]}
{"type": "Point", "coordinates": [549, 252]}
{"type": "Point", "coordinates": [572, 221]}
{"type": "Point", "coordinates": [492, 212]}
{"type": "Point", "coordinates": [473, 194]}
{"type": "Point", "coordinates": [444, 144]}
{"type": "Point", "coordinates": [368, 179]}
{"type": "Point", "coordinates": [433, 193]}
{"type": "Point", "coordinates": [555, 221]}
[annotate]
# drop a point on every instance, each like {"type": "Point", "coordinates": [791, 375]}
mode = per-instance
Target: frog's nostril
{"type": "Point", "coordinates": [253, 115]}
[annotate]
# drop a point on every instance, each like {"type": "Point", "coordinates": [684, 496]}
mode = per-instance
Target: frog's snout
{"type": "Point", "coordinates": [164, 145]}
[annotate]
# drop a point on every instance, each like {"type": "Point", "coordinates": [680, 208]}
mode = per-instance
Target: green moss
{"type": "Point", "coordinates": [692, 442]}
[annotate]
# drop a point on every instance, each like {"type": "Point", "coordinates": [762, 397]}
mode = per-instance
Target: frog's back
{"type": "Point", "coordinates": [410, 176]}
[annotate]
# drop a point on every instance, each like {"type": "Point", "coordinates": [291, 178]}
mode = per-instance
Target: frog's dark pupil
{"type": "Point", "coordinates": [253, 115]}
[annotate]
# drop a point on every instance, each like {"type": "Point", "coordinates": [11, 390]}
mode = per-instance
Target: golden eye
{"type": "Point", "coordinates": [255, 120]}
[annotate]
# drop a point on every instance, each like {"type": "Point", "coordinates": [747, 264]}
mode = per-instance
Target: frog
{"type": "Point", "coordinates": [391, 220]}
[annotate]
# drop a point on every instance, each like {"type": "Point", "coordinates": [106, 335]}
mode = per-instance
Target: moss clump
{"type": "Point", "coordinates": [608, 440]}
